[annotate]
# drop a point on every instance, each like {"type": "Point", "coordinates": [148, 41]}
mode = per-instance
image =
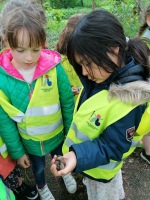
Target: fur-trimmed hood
{"type": "Point", "coordinates": [137, 92]}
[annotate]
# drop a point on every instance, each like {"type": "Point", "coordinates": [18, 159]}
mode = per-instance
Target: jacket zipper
{"type": "Point", "coordinates": [31, 91]}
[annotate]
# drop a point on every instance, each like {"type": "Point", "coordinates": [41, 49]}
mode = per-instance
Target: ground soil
{"type": "Point", "coordinates": [136, 178]}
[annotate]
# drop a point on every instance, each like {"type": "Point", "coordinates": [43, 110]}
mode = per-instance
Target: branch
{"type": "Point", "coordinates": [138, 5]}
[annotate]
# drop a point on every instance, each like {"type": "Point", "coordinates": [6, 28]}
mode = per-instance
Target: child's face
{"type": "Point", "coordinates": [25, 57]}
{"type": "Point", "coordinates": [148, 21]}
{"type": "Point", "coordinates": [94, 72]}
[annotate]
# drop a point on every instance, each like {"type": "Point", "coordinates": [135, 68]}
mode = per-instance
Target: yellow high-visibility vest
{"type": "Point", "coordinates": [92, 118]}
{"type": "Point", "coordinates": [43, 118]}
{"type": "Point", "coordinates": [5, 193]}
{"type": "Point", "coordinates": [3, 148]}
{"type": "Point", "coordinates": [72, 76]}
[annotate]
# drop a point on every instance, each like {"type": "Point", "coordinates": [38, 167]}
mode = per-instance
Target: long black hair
{"type": "Point", "coordinates": [97, 34]}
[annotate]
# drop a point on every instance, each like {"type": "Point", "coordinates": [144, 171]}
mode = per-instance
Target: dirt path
{"type": "Point", "coordinates": [136, 177]}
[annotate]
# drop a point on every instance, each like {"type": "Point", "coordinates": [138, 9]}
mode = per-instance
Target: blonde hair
{"type": "Point", "coordinates": [64, 36]}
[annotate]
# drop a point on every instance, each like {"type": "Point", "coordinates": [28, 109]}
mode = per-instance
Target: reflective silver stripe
{"type": "Point", "coordinates": [7, 193]}
{"type": "Point", "coordinates": [39, 130]}
{"type": "Point", "coordinates": [83, 137]}
{"type": "Point", "coordinates": [110, 166]}
{"type": "Point", "coordinates": [22, 130]}
{"type": "Point", "coordinates": [18, 118]}
{"type": "Point", "coordinates": [3, 149]}
{"type": "Point", "coordinates": [134, 143]}
{"type": "Point", "coordinates": [43, 111]}
{"type": "Point", "coordinates": [79, 135]}
{"type": "Point", "coordinates": [69, 142]}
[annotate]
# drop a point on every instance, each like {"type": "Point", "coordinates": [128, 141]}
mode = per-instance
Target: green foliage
{"type": "Point", "coordinates": [129, 20]}
{"type": "Point", "coordinates": [55, 24]}
{"type": "Point", "coordinates": [65, 3]}
{"type": "Point", "coordinates": [53, 30]}
{"type": "Point", "coordinates": [71, 11]}
{"type": "Point", "coordinates": [123, 10]}
{"type": "Point", "coordinates": [125, 14]}
{"type": "Point", "coordinates": [52, 14]}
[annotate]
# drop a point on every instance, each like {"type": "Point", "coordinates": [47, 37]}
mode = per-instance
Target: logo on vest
{"type": "Point", "coordinates": [130, 133]}
{"type": "Point", "coordinates": [95, 119]}
{"type": "Point", "coordinates": [45, 83]}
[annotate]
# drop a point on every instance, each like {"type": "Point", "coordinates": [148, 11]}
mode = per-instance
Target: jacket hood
{"type": "Point", "coordinates": [137, 92]}
{"type": "Point", "coordinates": [48, 59]}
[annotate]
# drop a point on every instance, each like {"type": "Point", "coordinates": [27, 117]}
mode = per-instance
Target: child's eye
{"type": "Point", "coordinates": [19, 50]}
{"type": "Point", "coordinates": [88, 64]}
{"type": "Point", "coordinates": [36, 50]}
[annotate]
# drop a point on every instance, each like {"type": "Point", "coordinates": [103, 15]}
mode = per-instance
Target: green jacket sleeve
{"type": "Point", "coordinates": [66, 97]}
{"type": "Point", "coordinates": [10, 135]}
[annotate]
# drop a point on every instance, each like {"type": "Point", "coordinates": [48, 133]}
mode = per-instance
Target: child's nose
{"type": "Point", "coordinates": [29, 57]}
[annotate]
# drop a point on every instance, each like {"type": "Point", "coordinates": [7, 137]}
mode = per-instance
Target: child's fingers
{"type": "Point", "coordinates": [54, 159]}
{"type": "Point", "coordinates": [27, 162]}
{"type": "Point", "coordinates": [54, 170]}
{"type": "Point", "coordinates": [64, 171]}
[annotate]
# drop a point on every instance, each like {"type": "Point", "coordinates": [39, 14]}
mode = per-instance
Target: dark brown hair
{"type": "Point", "coordinates": [144, 25]}
{"type": "Point", "coordinates": [23, 15]}
{"type": "Point", "coordinates": [61, 45]}
{"type": "Point", "coordinates": [31, 5]}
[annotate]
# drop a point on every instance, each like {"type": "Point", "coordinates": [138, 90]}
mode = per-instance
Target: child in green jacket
{"type": "Point", "coordinates": [36, 99]}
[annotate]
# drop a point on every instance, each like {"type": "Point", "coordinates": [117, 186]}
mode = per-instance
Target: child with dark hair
{"type": "Point", "coordinates": [112, 107]}
{"type": "Point", "coordinates": [61, 47]}
{"type": "Point", "coordinates": [36, 99]}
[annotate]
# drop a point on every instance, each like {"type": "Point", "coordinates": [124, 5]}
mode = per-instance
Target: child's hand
{"type": "Point", "coordinates": [23, 161]}
{"type": "Point", "coordinates": [71, 162]}
{"type": "Point", "coordinates": [75, 91]}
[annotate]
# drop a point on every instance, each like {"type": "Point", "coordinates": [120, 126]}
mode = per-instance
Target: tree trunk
{"type": "Point", "coordinates": [1, 1]}
{"type": "Point", "coordinates": [93, 4]}
{"type": "Point", "coordinates": [59, 4]}
{"type": "Point", "coordinates": [82, 3]}
{"type": "Point", "coordinates": [140, 10]}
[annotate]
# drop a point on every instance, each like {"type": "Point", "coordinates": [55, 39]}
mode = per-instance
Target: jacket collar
{"type": "Point", "coordinates": [48, 59]}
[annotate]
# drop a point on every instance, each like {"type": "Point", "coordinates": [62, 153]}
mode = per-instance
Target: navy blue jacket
{"type": "Point", "coordinates": [112, 143]}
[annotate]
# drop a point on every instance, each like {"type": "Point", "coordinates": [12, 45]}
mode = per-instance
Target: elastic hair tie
{"type": "Point", "coordinates": [127, 39]}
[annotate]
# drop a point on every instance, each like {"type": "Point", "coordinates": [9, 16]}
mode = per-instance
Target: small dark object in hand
{"type": "Point", "coordinates": [60, 163]}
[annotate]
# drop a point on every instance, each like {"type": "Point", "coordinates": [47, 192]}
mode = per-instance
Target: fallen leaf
{"type": "Point", "coordinates": [130, 160]}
